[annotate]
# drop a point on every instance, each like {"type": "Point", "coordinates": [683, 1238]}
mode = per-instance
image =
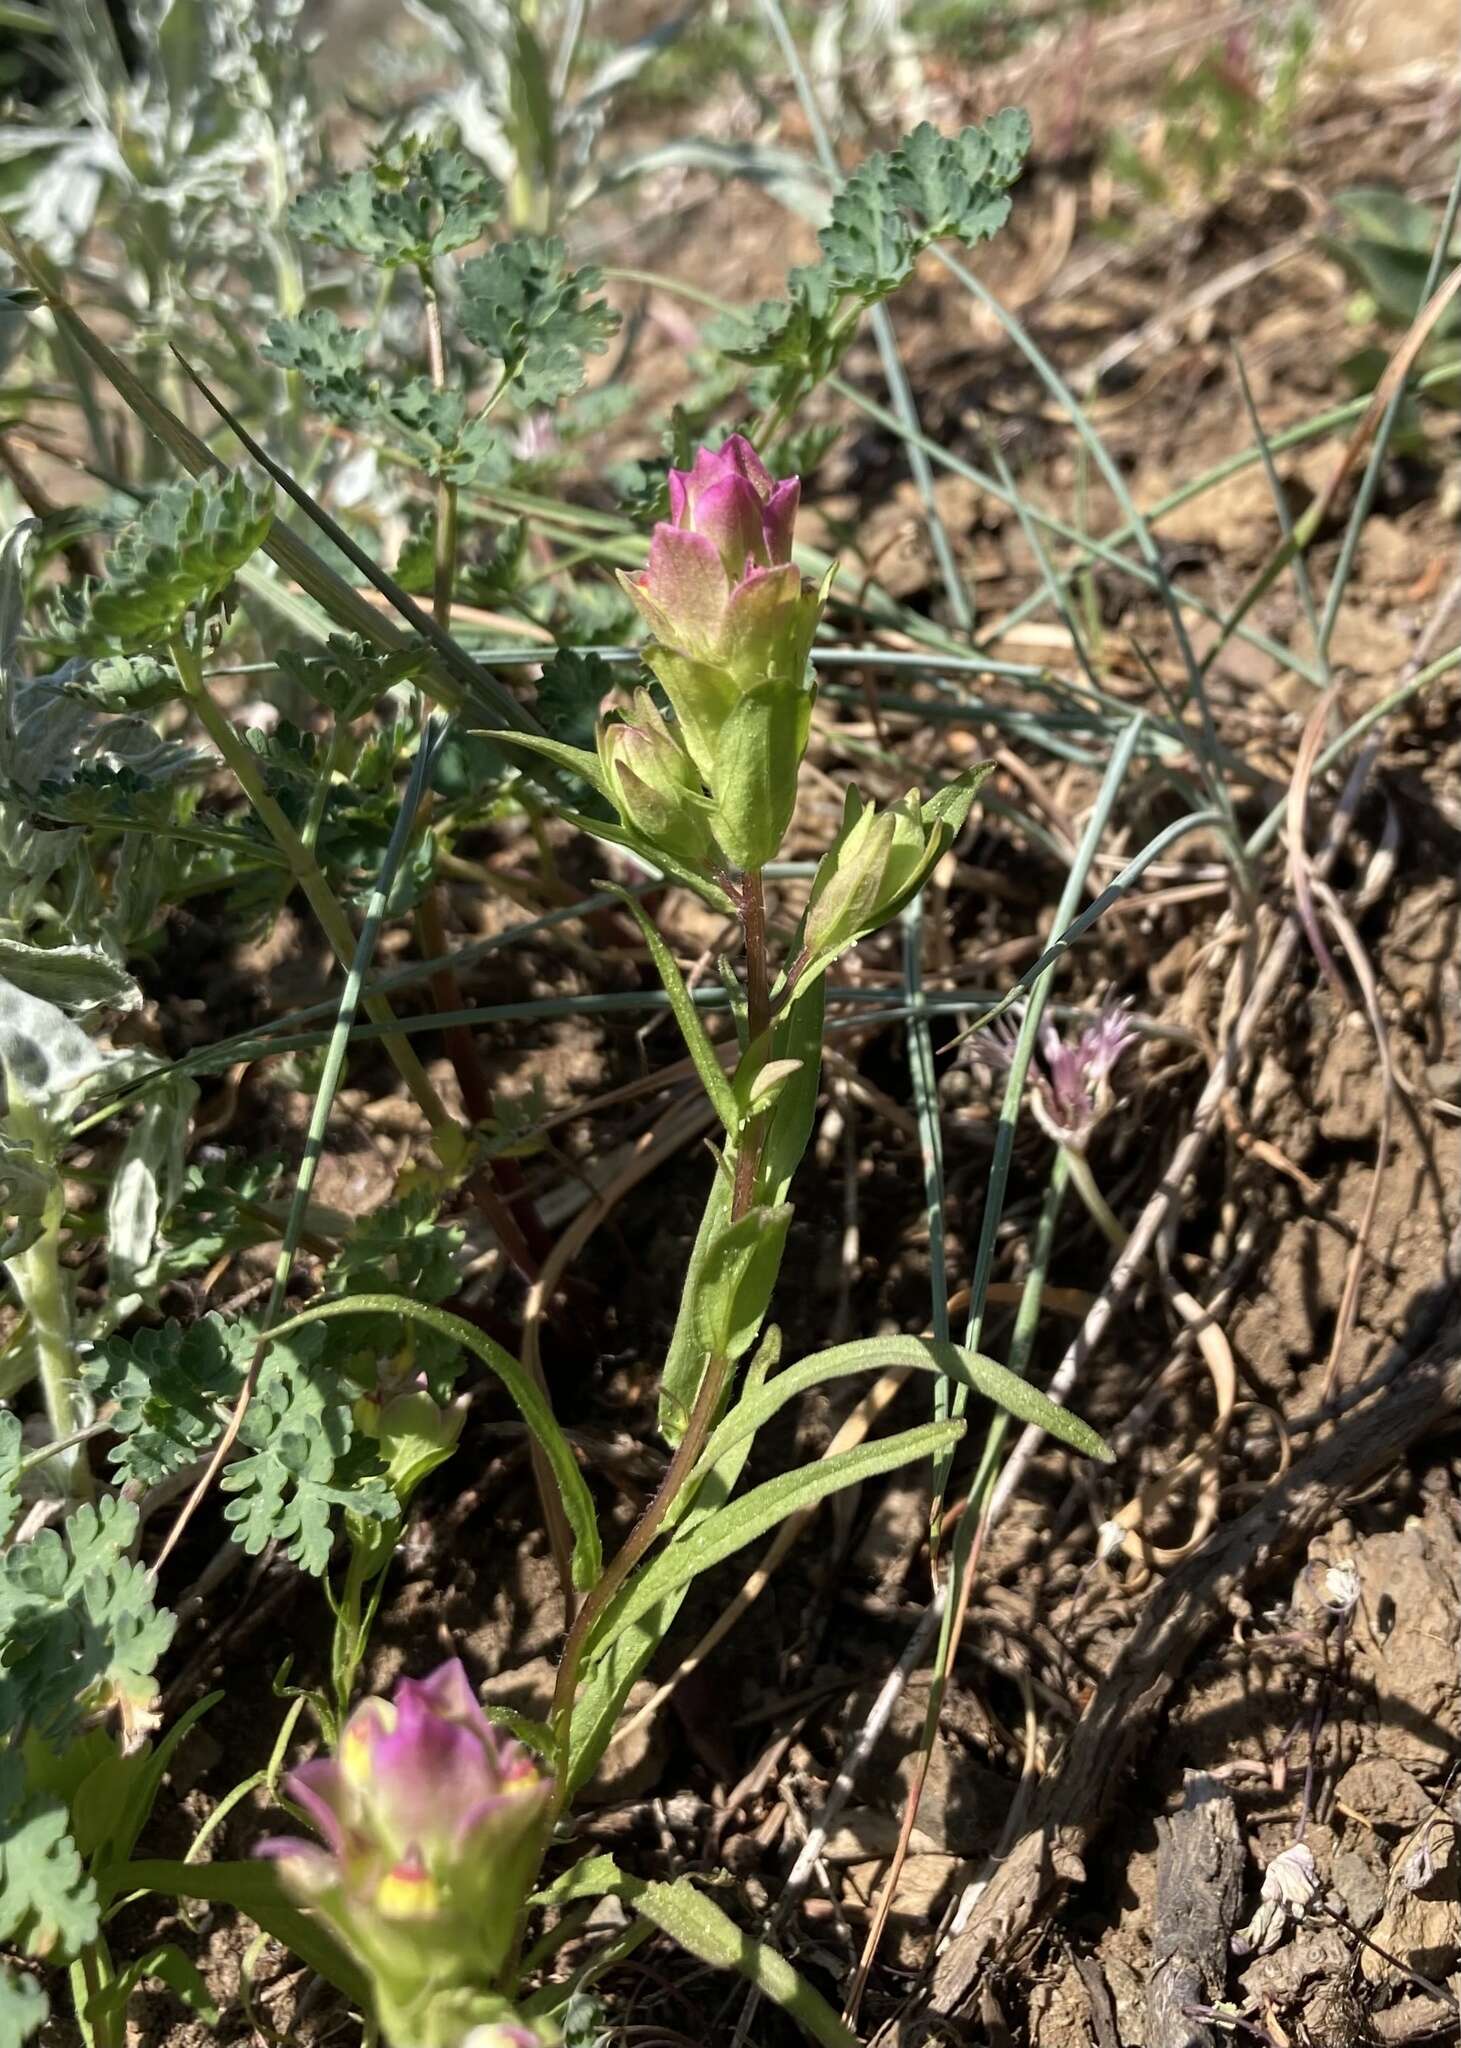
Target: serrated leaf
{"type": "Point", "coordinates": [24, 2007]}
{"type": "Point", "coordinates": [299, 1462]}
{"type": "Point", "coordinates": [349, 677]}
{"type": "Point", "coordinates": [571, 691]}
{"type": "Point", "coordinates": [523, 305]}
{"type": "Point", "coordinates": [77, 1618]}
{"type": "Point", "coordinates": [413, 205]}
{"type": "Point", "coordinates": [170, 1385]}
{"type": "Point", "coordinates": [330, 357]}
{"type": "Point", "coordinates": [48, 1903]}
{"type": "Point", "coordinates": [958, 185]}
{"type": "Point", "coordinates": [178, 557]}
{"type": "Point", "coordinates": [867, 242]}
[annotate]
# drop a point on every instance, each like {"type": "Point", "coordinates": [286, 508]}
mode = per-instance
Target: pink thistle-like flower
{"type": "Point", "coordinates": [1070, 1084]}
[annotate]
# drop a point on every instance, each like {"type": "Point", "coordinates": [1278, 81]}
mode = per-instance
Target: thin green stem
{"type": "Point", "coordinates": [706, 1409]}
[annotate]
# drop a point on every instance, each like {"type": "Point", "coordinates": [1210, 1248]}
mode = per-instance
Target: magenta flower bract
{"type": "Point", "coordinates": [721, 593]}
{"type": "Point", "coordinates": [429, 1819]}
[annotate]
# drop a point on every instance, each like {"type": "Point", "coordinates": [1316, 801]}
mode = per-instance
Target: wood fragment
{"type": "Point", "coordinates": [1199, 1885]}
{"type": "Point", "coordinates": [1075, 1797]}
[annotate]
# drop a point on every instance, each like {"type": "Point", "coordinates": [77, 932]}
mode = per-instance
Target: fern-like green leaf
{"type": "Point", "coordinates": [523, 305]}
{"type": "Point", "coordinates": [77, 1622]}
{"type": "Point", "coordinates": [413, 205]}
{"type": "Point", "coordinates": [177, 557]}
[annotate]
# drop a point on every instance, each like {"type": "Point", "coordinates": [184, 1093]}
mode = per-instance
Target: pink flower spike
{"type": "Point", "coordinates": [687, 583]}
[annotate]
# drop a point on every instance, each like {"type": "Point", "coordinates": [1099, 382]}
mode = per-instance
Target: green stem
{"type": "Point", "coordinates": [43, 1291]}
{"type": "Point", "coordinates": [1102, 1214]}
{"type": "Point", "coordinates": [708, 1400]}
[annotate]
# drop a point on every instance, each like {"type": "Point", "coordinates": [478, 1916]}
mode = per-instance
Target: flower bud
{"type": "Point", "coordinates": [877, 861]}
{"type": "Point", "coordinates": [429, 1819]}
{"type": "Point", "coordinates": [654, 785]}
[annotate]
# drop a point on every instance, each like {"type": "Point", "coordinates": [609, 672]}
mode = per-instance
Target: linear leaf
{"type": "Point", "coordinates": [722, 1534]}
{"type": "Point", "coordinates": [697, 1040]}
{"type": "Point", "coordinates": [969, 1369]}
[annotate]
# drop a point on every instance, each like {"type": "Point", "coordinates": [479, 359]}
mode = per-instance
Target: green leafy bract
{"type": "Point", "coordinates": [523, 305]}
{"type": "Point", "coordinates": [178, 557]}
{"type": "Point", "coordinates": [413, 205]}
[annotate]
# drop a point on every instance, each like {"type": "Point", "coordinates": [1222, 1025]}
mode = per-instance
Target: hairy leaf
{"type": "Point", "coordinates": [178, 556]}
{"type": "Point", "coordinates": [524, 306]}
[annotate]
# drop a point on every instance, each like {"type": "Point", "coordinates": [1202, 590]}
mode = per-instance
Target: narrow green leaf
{"type": "Point", "coordinates": [797, 1036]}
{"type": "Point", "coordinates": [254, 1888]}
{"type": "Point", "coordinates": [968, 1369]}
{"type": "Point", "coordinates": [697, 1040]}
{"type": "Point", "coordinates": [707, 1931]}
{"type": "Point", "coordinates": [579, 761]}
{"type": "Point", "coordinates": [721, 1535]}
{"type": "Point", "coordinates": [602, 1695]}
{"type": "Point", "coordinates": [685, 1359]}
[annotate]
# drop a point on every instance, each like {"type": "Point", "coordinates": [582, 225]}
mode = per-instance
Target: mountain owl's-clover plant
{"type": "Point", "coordinates": [439, 1838]}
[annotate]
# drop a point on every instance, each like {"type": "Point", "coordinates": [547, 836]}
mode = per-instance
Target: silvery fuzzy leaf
{"type": "Point", "coordinates": [147, 1181]}
{"type": "Point", "coordinates": [78, 976]}
{"type": "Point", "coordinates": [45, 1058]}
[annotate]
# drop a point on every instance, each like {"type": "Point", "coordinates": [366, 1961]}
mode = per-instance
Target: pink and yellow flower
{"type": "Point", "coordinates": [429, 1820]}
